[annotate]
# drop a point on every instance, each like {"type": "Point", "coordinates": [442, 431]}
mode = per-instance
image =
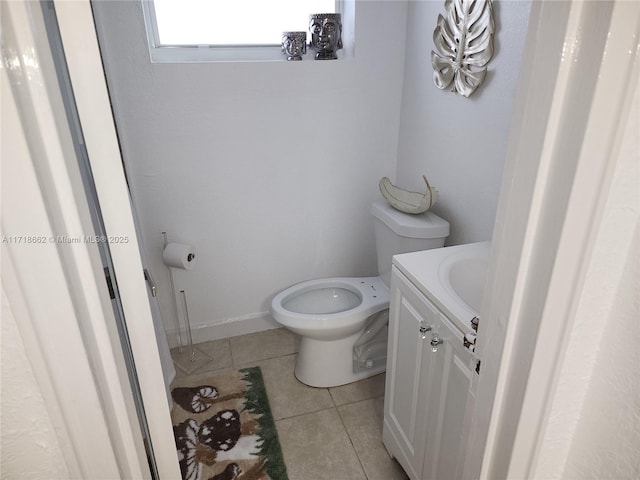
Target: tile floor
{"type": "Point", "coordinates": [325, 433]}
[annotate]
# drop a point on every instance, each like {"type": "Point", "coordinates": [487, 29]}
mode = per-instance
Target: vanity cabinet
{"type": "Point", "coordinates": [429, 374]}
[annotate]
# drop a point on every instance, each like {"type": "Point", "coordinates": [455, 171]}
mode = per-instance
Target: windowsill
{"type": "Point", "coordinates": [208, 54]}
{"type": "Point", "coordinates": [253, 53]}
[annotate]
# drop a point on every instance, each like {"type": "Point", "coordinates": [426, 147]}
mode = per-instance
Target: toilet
{"type": "Point", "coordinates": [342, 322]}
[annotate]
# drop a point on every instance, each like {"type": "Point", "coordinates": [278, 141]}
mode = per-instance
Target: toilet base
{"type": "Point", "coordinates": [330, 363]}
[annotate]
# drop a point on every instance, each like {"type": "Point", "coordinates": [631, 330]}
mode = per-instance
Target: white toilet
{"type": "Point", "coordinates": [343, 321]}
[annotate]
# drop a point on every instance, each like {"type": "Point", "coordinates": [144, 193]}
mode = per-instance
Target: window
{"type": "Point", "coordinates": [228, 30]}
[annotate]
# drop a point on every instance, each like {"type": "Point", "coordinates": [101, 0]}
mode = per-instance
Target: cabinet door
{"type": "Point", "coordinates": [448, 390]}
{"type": "Point", "coordinates": [409, 362]}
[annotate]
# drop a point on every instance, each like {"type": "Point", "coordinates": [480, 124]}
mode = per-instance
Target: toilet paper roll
{"type": "Point", "coordinates": [178, 255]}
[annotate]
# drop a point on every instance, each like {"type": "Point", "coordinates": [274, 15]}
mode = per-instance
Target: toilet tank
{"type": "Point", "coordinates": [397, 232]}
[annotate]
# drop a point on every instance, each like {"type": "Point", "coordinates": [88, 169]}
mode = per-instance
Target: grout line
{"type": "Point", "coordinates": [359, 401]}
{"type": "Point", "coordinates": [355, 450]}
{"type": "Point", "coordinates": [333, 400]}
{"type": "Point", "coordinates": [302, 414]}
{"type": "Point", "coordinates": [228, 342]}
{"type": "Point", "coordinates": [233, 360]}
{"type": "Point", "coordinates": [346, 431]}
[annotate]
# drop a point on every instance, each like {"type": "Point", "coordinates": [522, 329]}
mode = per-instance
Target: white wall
{"type": "Point", "coordinates": [267, 168]}
{"type": "Point", "coordinates": [459, 143]}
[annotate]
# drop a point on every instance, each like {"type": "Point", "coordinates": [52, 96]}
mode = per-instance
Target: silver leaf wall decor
{"type": "Point", "coordinates": [464, 44]}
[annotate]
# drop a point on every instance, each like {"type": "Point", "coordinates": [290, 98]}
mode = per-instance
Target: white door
{"type": "Point", "coordinates": [55, 282]}
{"type": "Point", "coordinates": [86, 79]}
{"type": "Point", "coordinates": [551, 207]}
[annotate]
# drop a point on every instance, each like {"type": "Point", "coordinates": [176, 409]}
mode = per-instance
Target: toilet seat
{"type": "Point", "coordinates": [324, 300]}
{"type": "Point", "coordinates": [309, 308]}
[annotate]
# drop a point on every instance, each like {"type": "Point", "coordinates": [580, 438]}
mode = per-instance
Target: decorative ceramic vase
{"type": "Point", "coordinates": [294, 44]}
{"type": "Point", "coordinates": [326, 35]}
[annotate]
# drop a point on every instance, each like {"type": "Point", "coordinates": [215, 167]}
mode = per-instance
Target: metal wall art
{"type": "Point", "coordinates": [326, 35]}
{"type": "Point", "coordinates": [294, 44]}
{"type": "Point", "coordinates": [464, 44]}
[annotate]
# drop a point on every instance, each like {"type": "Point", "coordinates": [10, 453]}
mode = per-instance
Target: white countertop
{"type": "Point", "coordinates": [427, 271]}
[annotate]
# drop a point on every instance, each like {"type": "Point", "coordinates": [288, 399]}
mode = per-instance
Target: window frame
{"type": "Point", "coordinates": [159, 53]}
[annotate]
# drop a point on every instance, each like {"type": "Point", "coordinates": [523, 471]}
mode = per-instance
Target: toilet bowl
{"type": "Point", "coordinates": [342, 321]}
{"type": "Point", "coordinates": [330, 315]}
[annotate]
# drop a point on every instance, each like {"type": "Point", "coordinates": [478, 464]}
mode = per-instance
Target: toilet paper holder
{"type": "Point", "coordinates": [187, 320]}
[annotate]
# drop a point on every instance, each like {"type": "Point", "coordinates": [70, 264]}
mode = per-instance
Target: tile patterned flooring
{"type": "Point", "coordinates": [325, 433]}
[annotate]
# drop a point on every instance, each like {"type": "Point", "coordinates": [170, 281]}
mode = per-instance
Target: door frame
{"type": "Point", "coordinates": [56, 290]}
{"type": "Point", "coordinates": [579, 73]}
{"type": "Point", "coordinates": [52, 272]}
{"type": "Point", "coordinates": [80, 43]}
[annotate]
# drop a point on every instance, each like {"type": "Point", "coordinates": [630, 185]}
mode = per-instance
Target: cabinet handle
{"type": "Point", "coordinates": [424, 328]}
{"type": "Point", "coordinates": [435, 341]}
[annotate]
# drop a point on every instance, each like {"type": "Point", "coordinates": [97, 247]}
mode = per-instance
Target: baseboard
{"type": "Point", "coordinates": [229, 328]}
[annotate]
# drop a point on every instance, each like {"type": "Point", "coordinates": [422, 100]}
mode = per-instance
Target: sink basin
{"type": "Point", "coordinates": [466, 280]}
{"type": "Point", "coordinates": [453, 278]}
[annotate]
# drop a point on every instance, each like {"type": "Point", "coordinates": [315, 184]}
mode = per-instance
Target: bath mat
{"type": "Point", "coordinates": [224, 429]}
